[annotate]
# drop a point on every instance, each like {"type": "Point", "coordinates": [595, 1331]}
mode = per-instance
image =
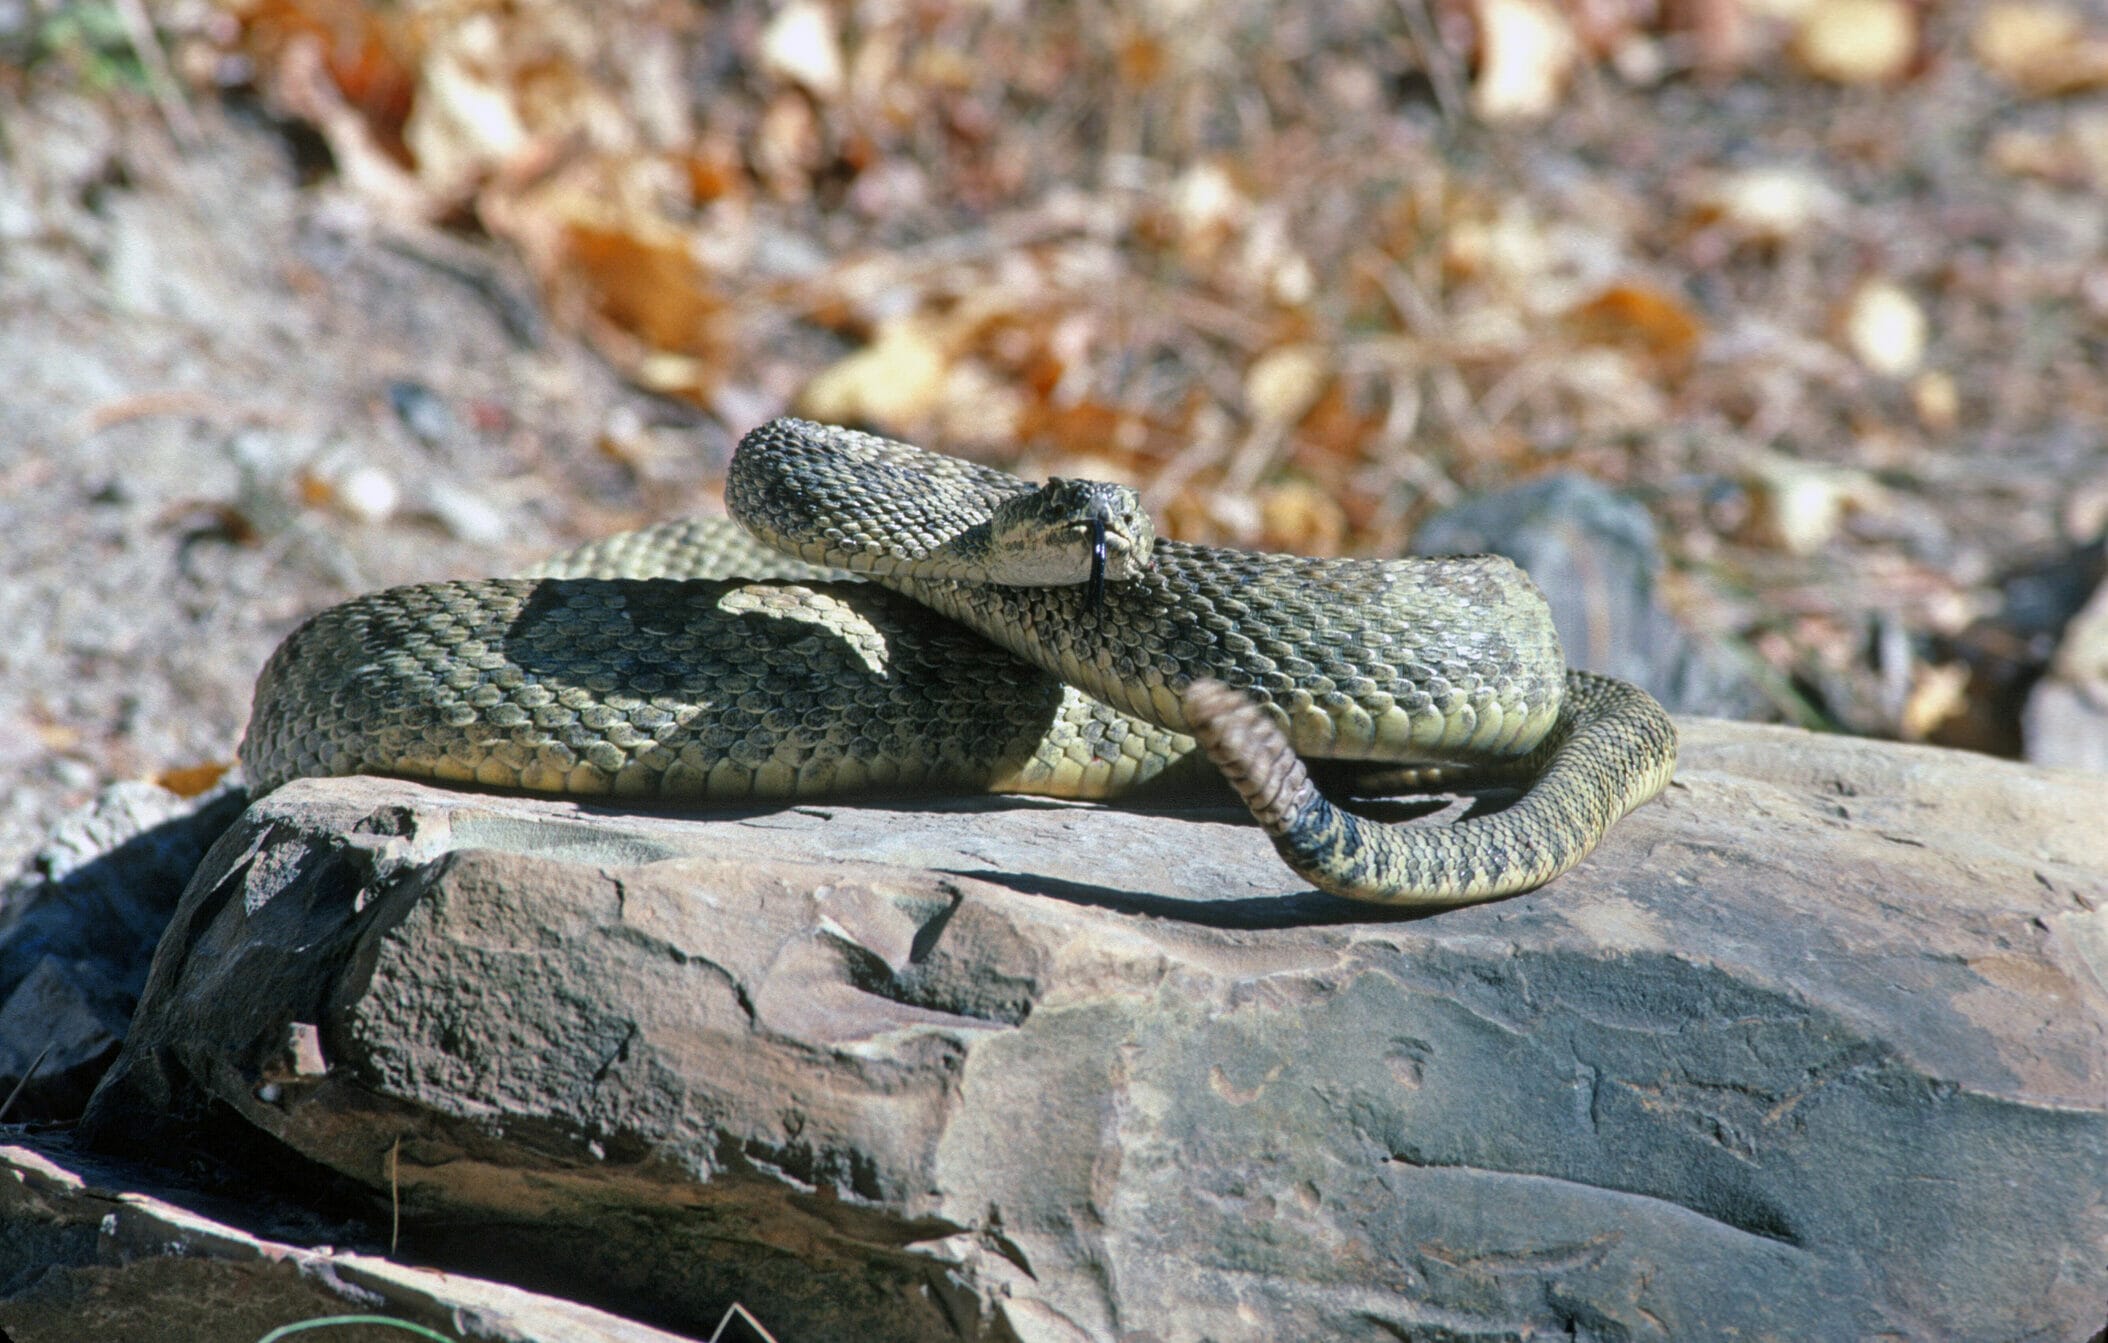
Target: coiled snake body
{"type": "Point", "coordinates": [633, 666]}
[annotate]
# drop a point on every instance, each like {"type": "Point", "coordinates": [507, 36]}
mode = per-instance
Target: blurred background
{"type": "Point", "coordinates": [1768, 330]}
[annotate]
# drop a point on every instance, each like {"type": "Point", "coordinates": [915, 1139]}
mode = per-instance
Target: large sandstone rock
{"type": "Point", "coordinates": [1815, 1047]}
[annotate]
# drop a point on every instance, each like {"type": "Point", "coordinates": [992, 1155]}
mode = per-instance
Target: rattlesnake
{"type": "Point", "coordinates": [633, 666]}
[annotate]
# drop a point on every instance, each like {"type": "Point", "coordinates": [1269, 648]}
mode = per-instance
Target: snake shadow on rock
{"type": "Point", "coordinates": [794, 680]}
{"type": "Point", "coordinates": [1306, 908]}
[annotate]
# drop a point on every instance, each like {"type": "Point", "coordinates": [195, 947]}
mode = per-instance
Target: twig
{"type": "Point", "coordinates": [160, 79]}
{"type": "Point", "coordinates": [741, 1315]}
{"type": "Point", "coordinates": [149, 405]}
{"type": "Point", "coordinates": [9, 1103]}
{"type": "Point", "coordinates": [855, 278]}
{"type": "Point", "coordinates": [1435, 60]}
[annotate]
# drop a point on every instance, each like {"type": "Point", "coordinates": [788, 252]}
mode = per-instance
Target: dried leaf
{"type": "Point", "coordinates": [1858, 41]}
{"type": "Point", "coordinates": [1645, 319]}
{"type": "Point", "coordinates": [1938, 693]}
{"type": "Point", "coordinates": [192, 780]}
{"type": "Point", "coordinates": [1773, 204]}
{"type": "Point", "coordinates": [1298, 517]}
{"type": "Point", "coordinates": [896, 380]}
{"type": "Point", "coordinates": [1798, 506]}
{"type": "Point", "coordinates": [467, 121]}
{"type": "Point", "coordinates": [1094, 429]}
{"type": "Point", "coordinates": [800, 44]}
{"type": "Point", "coordinates": [2016, 40]}
{"type": "Point", "coordinates": [301, 87]}
{"type": "Point", "coordinates": [2041, 48]}
{"type": "Point", "coordinates": [369, 54]}
{"type": "Point", "coordinates": [1938, 404]}
{"type": "Point", "coordinates": [1207, 210]}
{"type": "Point", "coordinates": [1141, 59]}
{"type": "Point", "coordinates": [1526, 52]}
{"type": "Point", "coordinates": [646, 281]}
{"type": "Point", "coordinates": [1283, 384]}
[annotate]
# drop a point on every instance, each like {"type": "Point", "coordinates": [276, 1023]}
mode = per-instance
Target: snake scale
{"type": "Point", "coordinates": [921, 623]}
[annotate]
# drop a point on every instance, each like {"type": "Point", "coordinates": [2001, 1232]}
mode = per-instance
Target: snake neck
{"type": "Point", "coordinates": [865, 504]}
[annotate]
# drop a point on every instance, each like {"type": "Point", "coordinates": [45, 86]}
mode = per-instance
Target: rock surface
{"type": "Point", "coordinates": [1597, 558]}
{"type": "Point", "coordinates": [2065, 722]}
{"type": "Point", "coordinates": [1815, 1047]}
{"type": "Point", "coordinates": [92, 1256]}
{"type": "Point", "coordinates": [77, 931]}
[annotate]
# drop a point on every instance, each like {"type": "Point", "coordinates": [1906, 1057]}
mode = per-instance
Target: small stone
{"type": "Point", "coordinates": [2085, 515]}
{"type": "Point", "coordinates": [2065, 725]}
{"type": "Point", "coordinates": [466, 515]}
{"type": "Point", "coordinates": [1886, 329]}
{"type": "Point", "coordinates": [1772, 204]}
{"type": "Point", "coordinates": [800, 44]}
{"type": "Point", "coordinates": [366, 494]}
{"type": "Point", "coordinates": [1938, 404]}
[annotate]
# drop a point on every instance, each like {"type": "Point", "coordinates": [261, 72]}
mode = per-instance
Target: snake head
{"type": "Point", "coordinates": [1070, 532]}
{"type": "Point", "coordinates": [1121, 539]}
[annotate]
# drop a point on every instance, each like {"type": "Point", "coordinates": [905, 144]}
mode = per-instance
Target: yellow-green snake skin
{"type": "Point", "coordinates": [635, 667]}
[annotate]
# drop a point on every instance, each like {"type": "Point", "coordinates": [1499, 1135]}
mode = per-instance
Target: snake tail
{"type": "Point", "coordinates": [1611, 748]}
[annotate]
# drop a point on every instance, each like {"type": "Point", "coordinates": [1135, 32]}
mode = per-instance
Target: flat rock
{"type": "Point", "coordinates": [1814, 1047]}
{"type": "Point", "coordinates": [91, 1255]}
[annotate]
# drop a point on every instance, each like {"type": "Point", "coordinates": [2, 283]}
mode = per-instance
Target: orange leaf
{"type": "Point", "coordinates": [192, 780]}
{"type": "Point", "coordinates": [369, 52]}
{"type": "Point", "coordinates": [1642, 318]}
{"type": "Point", "coordinates": [650, 287]}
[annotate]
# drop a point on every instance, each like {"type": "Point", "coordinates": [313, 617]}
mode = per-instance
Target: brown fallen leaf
{"type": "Point", "coordinates": [192, 780]}
{"type": "Point", "coordinates": [2042, 49]}
{"type": "Point", "coordinates": [1858, 41]}
{"type": "Point", "coordinates": [895, 381]}
{"type": "Point", "coordinates": [1643, 318]}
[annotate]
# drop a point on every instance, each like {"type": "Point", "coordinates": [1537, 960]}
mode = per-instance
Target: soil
{"type": "Point", "coordinates": [216, 380]}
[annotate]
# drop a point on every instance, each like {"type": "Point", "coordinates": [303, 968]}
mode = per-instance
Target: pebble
{"type": "Point", "coordinates": [367, 494]}
{"type": "Point", "coordinates": [466, 516]}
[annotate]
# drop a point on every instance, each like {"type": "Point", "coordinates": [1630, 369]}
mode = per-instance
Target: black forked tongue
{"type": "Point", "coordinates": [1095, 594]}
